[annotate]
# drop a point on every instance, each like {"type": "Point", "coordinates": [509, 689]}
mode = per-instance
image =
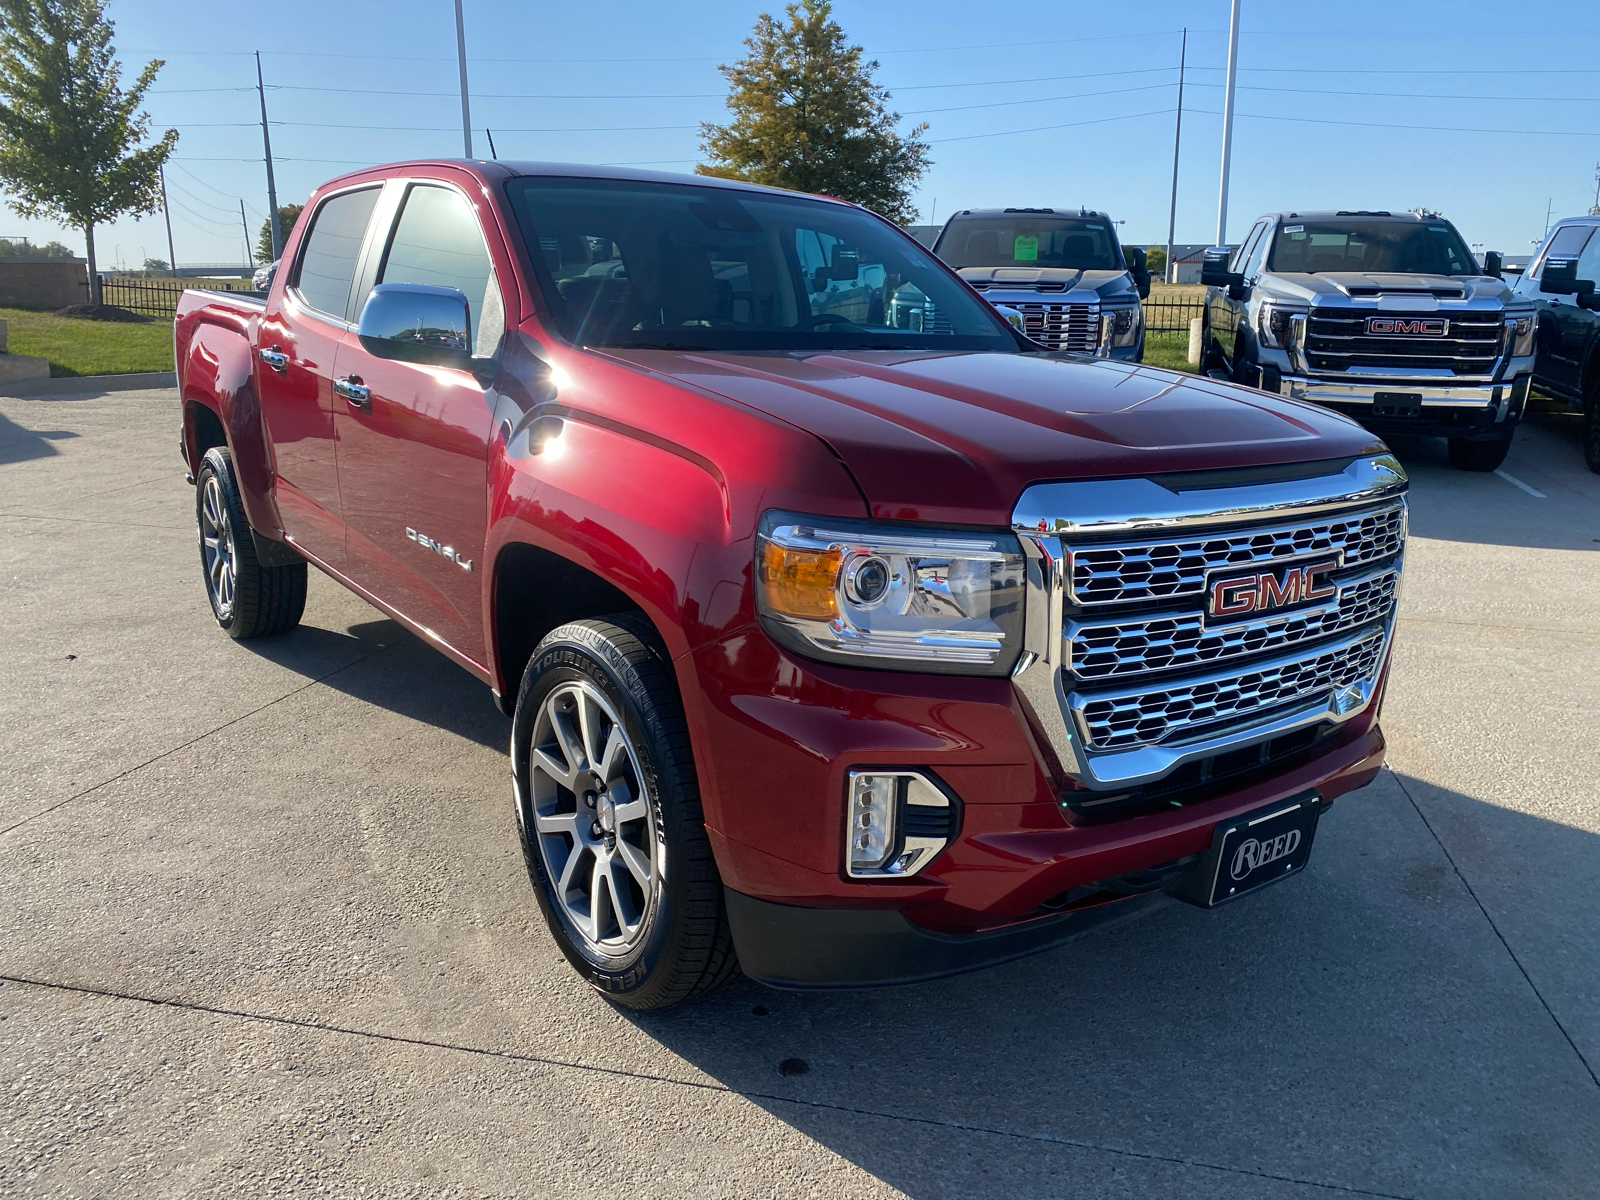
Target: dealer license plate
{"type": "Point", "coordinates": [1254, 850]}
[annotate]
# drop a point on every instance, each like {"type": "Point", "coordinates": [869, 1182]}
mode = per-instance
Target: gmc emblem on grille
{"type": "Point", "coordinates": [1268, 590]}
{"type": "Point", "coordinates": [1408, 326]}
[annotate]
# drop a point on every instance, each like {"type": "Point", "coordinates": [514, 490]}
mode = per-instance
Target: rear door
{"type": "Point", "coordinates": [296, 344]}
{"type": "Point", "coordinates": [413, 452]}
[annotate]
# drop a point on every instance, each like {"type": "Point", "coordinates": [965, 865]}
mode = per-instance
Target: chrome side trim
{"type": "Point", "coordinates": [1140, 506]}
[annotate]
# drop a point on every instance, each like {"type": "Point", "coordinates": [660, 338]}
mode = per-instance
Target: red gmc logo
{"type": "Point", "coordinates": [1408, 326]}
{"type": "Point", "coordinates": [1267, 590]}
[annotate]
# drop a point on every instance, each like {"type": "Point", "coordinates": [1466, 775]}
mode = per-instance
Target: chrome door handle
{"type": "Point", "coordinates": [276, 359]}
{"type": "Point", "coordinates": [353, 390]}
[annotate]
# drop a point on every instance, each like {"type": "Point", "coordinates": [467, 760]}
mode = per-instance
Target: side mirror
{"type": "Point", "coordinates": [1214, 268]}
{"type": "Point", "coordinates": [413, 322]}
{"type": "Point", "coordinates": [1493, 264]}
{"type": "Point", "coordinates": [1139, 267]}
{"type": "Point", "coordinates": [1560, 277]}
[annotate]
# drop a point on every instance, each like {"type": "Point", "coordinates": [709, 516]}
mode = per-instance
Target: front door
{"type": "Point", "coordinates": [298, 338]}
{"type": "Point", "coordinates": [1565, 325]}
{"type": "Point", "coordinates": [413, 440]}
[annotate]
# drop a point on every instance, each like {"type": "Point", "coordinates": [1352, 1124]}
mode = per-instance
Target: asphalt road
{"type": "Point", "coordinates": [265, 929]}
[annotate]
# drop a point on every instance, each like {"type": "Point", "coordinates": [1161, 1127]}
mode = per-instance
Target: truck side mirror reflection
{"type": "Point", "coordinates": [1493, 263]}
{"type": "Point", "coordinates": [416, 323]}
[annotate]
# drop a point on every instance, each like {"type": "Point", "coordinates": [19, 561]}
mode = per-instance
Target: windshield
{"type": "Point", "coordinates": [676, 266]}
{"type": "Point", "coordinates": [1407, 247]}
{"type": "Point", "coordinates": [1007, 241]}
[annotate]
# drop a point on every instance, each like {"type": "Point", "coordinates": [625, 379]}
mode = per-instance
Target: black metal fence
{"type": "Point", "coordinates": [1162, 315]}
{"type": "Point", "coordinates": [158, 297]}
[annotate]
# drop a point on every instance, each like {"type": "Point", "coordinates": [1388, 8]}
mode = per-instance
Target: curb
{"type": "Point", "coordinates": [90, 385]}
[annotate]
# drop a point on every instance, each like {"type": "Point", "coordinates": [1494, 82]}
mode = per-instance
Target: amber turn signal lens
{"type": "Point", "coordinates": [800, 583]}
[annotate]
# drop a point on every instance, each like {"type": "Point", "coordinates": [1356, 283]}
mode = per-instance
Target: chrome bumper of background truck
{"type": "Point", "coordinates": [1435, 393]}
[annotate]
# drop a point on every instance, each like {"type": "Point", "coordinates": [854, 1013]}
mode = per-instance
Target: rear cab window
{"type": "Point", "coordinates": [327, 266]}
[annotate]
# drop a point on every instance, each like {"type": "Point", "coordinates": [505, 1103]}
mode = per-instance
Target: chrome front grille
{"type": "Point", "coordinates": [1170, 568]}
{"type": "Point", "coordinates": [1336, 340]}
{"type": "Point", "coordinates": [1073, 327]}
{"type": "Point", "coordinates": [1174, 642]}
{"type": "Point", "coordinates": [1130, 672]}
{"type": "Point", "coordinates": [1139, 717]}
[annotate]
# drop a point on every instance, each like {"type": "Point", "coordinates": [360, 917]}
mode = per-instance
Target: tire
{"type": "Point", "coordinates": [1468, 455]}
{"type": "Point", "coordinates": [247, 599]}
{"type": "Point", "coordinates": [1591, 429]}
{"type": "Point", "coordinates": [628, 886]}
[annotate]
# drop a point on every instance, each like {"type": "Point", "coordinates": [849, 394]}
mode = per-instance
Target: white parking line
{"type": "Point", "coordinates": [1517, 483]}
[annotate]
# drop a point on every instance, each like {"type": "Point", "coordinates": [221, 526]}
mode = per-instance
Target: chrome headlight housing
{"type": "Point", "coordinates": [1272, 324]}
{"type": "Point", "coordinates": [1522, 345]}
{"type": "Point", "coordinates": [1128, 325]}
{"type": "Point", "coordinates": [871, 594]}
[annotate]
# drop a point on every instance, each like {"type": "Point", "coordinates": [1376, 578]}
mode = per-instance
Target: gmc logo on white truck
{"type": "Point", "coordinates": [1408, 326]}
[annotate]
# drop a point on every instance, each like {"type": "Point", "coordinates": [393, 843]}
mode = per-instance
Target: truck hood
{"type": "Point", "coordinates": [1028, 279]}
{"type": "Point", "coordinates": [1365, 289]}
{"type": "Point", "coordinates": [956, 437]}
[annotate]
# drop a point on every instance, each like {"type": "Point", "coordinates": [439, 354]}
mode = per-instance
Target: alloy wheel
{"type": "Point", "coordinates": [593, 822]}
{"type": "Point", "coordinates": [218, 553]}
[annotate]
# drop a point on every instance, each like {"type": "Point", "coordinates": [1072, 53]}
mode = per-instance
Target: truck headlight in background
{"type": "Point", "coordinates": [1272, 324]}
{"type": "Point", "coordinates": [1128, 324]}
{"type": "Point", "coordinates": [871, 594]}
{"type": "Point", "coordinates": [1522, 346]}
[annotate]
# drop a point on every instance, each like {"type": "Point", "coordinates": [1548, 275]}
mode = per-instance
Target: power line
{"type": "Point", "coordinates": [1042, 128]}
{"type": "Point", "coordinates": [1041, 100]}
{"type": "Point", "coordinates": [1423, 128]}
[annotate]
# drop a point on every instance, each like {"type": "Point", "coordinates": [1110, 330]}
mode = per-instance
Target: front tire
{"type": "Point", "coordinates": [608, 810]}
{"type": "Point", "coordinates": [247, 599]}
{"type": "Point", "coordinates": [1468, 455]}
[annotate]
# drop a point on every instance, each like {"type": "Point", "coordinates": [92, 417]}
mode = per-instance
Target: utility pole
{"type": "Point", "coordinates": [1549, 207]}
{"type": "Point", "coordinates": [1177, 141]}
{"type": "Point", "coordinates": [1227, 125]}
{"type": "Point", "coordinates": [172, 255]}
{"type": "Point", "coordinates": [272, 188]}
{"type": "Point", "coordinates": [461, 57]}
{"type": "Point", "coordinates": [249, 258]}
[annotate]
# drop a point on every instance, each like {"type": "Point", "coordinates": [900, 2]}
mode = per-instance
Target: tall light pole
{"type": "Point", "coordinates": [1227, 125]}
{"type": "Point", "coordinates": [272, 188]}
{"type": "Point", "coordinates": [1177, 141]}
{"type": "Point", "coordinates": [461, 56]}
{"type": "Point", "coordinates": [172, 255]}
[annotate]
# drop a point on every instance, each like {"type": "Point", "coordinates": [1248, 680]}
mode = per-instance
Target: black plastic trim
{"type": "Point", "coordinates": [786, 946]}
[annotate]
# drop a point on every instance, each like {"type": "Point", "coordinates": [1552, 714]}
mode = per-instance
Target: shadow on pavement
{"type": "Point", "coordinates": [379, 662]}
{"type": "Point", "coordinates": [1360, 1026]}
{"type": "Point", "coordinates": [18, 444]}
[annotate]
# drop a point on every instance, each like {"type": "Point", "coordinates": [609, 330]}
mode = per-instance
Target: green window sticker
{"type": "Point", "coordinates": [1025, 248]}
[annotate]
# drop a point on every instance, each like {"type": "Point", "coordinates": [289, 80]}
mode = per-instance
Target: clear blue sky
{"type": "Point", "coordinates": [1484, 111]}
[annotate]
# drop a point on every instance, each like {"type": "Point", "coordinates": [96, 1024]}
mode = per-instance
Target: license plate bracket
{"type": "Point", "coordinates": [1397, 404]}
{"type": "Point", "coordinates": [1252, 851]}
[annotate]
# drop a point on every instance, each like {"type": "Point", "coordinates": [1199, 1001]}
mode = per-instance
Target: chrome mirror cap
{"type": "Point", "coordinates": [416, 323]}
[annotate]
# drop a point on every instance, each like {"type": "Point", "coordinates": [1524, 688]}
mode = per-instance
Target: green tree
{"type": "Point", "coordinates": [808, 116]}
{"type": "Point", "coordinates": [288, 214]}
{"type": "Point", "coordinates": [71, 139]}
{"type": "Point", "coordinates": [1156, 258]}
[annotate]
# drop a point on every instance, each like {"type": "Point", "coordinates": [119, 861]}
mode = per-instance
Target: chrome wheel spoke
{"type": "Point", "coordinates": [590, 720]}
{"type": "Point", "coordinates": [599, 906]}
{"type": "Point", "coordinates": [628, 917]}
{"type": "Point", "coordinates": [636, 861]}
{"type": "Point", "coordinates": [632, 810]}
{"type": "Point", "coordinates": [561, 723]}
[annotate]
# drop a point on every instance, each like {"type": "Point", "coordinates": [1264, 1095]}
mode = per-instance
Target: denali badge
{"type": "Point", "coordinates": [1265, 590]}
{"type": "Point", "coordinates": [1408, 326]}
{"type": "Point", "coordinates": [427, 543]}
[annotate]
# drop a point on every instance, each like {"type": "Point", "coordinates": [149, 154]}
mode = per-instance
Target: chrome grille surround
{"type": "Point", "coordinates": [1125, 673]}
{"type": "Point", "coordinates": [1164, 570]}
{"type": "Point", "coordinates": [1150, 715]}
{"type": "Point", "coordinates": [1173, 642]}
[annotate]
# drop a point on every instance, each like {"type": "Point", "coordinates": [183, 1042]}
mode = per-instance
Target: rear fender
{"type": "Point", "coordinates": [218, 377]}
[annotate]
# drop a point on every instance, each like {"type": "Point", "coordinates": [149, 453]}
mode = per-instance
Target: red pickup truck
{"type": "Point", "coordinates": [849, 638]}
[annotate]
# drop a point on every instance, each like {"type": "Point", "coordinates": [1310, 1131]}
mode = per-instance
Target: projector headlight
{"type": "Point", "coordinates": [1523, 346]}
{"type": "Point", "coordinates": [907, 599]}
{"type": "Point", "coordinates": [1272, 324]}
{"type": "Point", "coordinates": [1129, 325]}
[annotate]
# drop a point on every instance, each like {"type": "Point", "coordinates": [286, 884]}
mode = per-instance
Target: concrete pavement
{"type": "Point", "coordinates": [266, 929]}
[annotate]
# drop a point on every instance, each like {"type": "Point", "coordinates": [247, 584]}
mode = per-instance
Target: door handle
{"type": "Point", "coordinates": [276, 359]}
{"type": "Point", "coordinates": [353, 390]}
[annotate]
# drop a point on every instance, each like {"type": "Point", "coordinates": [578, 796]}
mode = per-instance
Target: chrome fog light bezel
{"type": "Point", "coordinates": [919, 819]}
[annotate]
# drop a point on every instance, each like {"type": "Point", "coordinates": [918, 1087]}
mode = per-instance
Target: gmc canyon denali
{"type": "Point", "coordinates": [839, 649]}
{"type": "Point", "coordinates": [1385, 317]}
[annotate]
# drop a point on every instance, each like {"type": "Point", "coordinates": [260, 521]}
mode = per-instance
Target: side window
{"type": "Point", "coordinates": [328, 262]}
{"type": "Point", "coordinates": [1589, 261]}
{"type": "Point", "coordinates": [437, 242]}
{"type": "Point", "coordinates": [1258, 256]}
{"type": "Point", "coordinates": [1246, 247]}
{"type": "Point", "coordinates": [1567, 242]}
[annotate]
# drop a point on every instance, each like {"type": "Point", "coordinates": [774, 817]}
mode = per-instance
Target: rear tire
{"type": "Point", "coordinates": [247, 599]}
{"type": "Point", "coordinates": [1468, 455]}
{"type": "Point", "coordinates": [608, 810]}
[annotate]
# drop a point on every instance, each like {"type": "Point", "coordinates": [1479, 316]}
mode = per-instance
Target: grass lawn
{"type": "Point", "coordinates": [1169, 350]}
{"type": "Point", "coordinates": [77, 347]}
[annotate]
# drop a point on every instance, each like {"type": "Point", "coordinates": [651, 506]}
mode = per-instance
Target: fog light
{"type": "Point", "coordinates": [897, 823]}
